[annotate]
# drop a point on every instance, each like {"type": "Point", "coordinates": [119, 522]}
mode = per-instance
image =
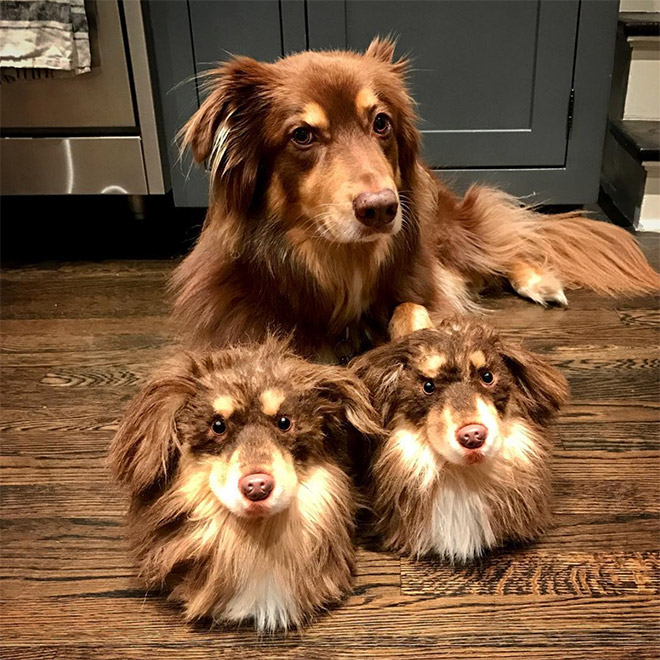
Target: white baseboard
{"type": "Point", "coordinates": [649, 214]}
{"type": "Point", "coordinates": [643, 94]}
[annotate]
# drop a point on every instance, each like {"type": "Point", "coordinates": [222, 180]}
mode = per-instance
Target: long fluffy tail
{"type": "Point", "coordinates": [597, 255]}
{"type": "Point", "coordinates": [582, 252]}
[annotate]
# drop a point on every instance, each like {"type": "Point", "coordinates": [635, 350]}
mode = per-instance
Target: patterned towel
{"type": "Point", "coordinates": [41, 37]}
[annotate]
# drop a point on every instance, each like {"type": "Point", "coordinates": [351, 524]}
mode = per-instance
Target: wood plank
{"type": "Point", "coordinates": [131, 269]}
{"type": "Point", "coordinates": [37, 464]}
{"type": "Point", "coordinates": [610, 436]}
{"type": "Point", "coordinates": [630, 532]}
{"type": "Point", "coordinates": [536, 573]}
{"type": "Point", "coordinates": [53, 299]}
{"type": "Point", "coordinates": [641, 318]}
{"type": "Point", "coordinates": [540, 329]}
{"type": "Point", "coordinates": [368, 621]}
{"type": "Point", "coordinates": [73, 343]}
{"type": "Point", "coordinates": [204, 649]}
{"type": "Point", "coordinates": [610, 410]}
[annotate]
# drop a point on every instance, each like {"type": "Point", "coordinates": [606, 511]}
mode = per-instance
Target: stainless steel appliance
{"type": "Point", "coordinates": [90, 134]}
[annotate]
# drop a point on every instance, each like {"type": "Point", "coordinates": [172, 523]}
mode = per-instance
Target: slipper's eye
{"type": "Point", "coordinates": [283, 423]}
{"type": "Point", "coordinates": [302, 136]}
{"type": "Point", "coordinates": [487, 378]}
{"type": "Point", "coordinates": [428, 387]}
{"type": "Point", "coordinates": [219, 426]}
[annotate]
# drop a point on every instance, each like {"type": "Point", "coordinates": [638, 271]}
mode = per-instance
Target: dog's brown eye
{"type": "Point", "coordinates": [283, 423]}
{"type": "Point", "coordinates": [302, 136]}
{"type": "Point", "coordinates": [219, 426]}
{"type": "Point", "coordinates": [382, 124]}
{"type": "Point", "coordinates": [487, 378]}
{"type": "Point", "coordinates": [428, 387]}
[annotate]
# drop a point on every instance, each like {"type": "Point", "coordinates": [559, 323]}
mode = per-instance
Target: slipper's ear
{"type": "Point", "coordinates": [346, 400]}
{"type": "Point", "coordinates": [407, 318]}
{"type": "Point", "coordinates": [145, 449]}
{"type": "Point", "coordinates": [380, 370]}
{"type": "Point", "coordinates": [542, 389]}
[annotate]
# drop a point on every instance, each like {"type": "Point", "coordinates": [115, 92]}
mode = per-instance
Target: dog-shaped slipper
{"type": "Point", "coordinates": [237, 466]}
{"type": "Point", "coordinates": [464, 465]}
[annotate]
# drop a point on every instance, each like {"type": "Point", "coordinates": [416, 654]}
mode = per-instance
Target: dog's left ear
{"type": "Point", "coordinates": [543, 389]}
{"type": "Point", "coordinates": [382, 49]}
{"type": "Point", "coordinates": [408, 138]}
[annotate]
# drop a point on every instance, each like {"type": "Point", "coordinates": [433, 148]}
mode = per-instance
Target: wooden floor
{"type": "Point", "coordinates": [78, 341]}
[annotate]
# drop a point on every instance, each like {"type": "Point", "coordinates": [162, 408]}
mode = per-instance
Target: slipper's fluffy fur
{"type": "Point", "coordinates": [204, 424]}
{"type": "Point", "coordinates": [465, 461]}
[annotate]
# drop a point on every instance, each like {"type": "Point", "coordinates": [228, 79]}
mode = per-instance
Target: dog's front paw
{"type": "Point", "coordinates": [542, 287]}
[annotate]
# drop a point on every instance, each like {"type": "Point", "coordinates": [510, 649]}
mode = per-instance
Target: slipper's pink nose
{"type": "Point", "coordinates": [256, 487]}
{"type": "Point", "coordinates": [472, 436]}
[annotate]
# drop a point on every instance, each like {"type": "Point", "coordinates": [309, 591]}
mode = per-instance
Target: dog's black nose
{"type": "Point", "coordinates": [472, 436]}
{"type": "Point", "coordinates": [376, 209]}
{"type": "Point", "coordinates": [256, 486]}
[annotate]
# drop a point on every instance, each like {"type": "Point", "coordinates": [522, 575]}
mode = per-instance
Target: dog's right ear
{"type": "Point", "coordinates": [407, 318]}
{"type": "Point", "coordinates": [226, 130]}
{"type": "Point", "coordinates": [146, 445]}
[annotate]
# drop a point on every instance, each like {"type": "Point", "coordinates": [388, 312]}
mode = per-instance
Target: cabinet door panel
{"type": "Point", "coordinates": [492, 77]}
{"type": "Point", "coordinates": [234, 27]}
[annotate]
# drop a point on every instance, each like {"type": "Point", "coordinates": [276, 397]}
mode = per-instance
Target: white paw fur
{"type": "Point", "coordinates": [541, 287]}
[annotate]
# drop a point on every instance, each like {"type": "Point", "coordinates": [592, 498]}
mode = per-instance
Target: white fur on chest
{"type": "Point", "coordinates": [460, 528]}
{"type": "Point", "coordinates": [265, 599]}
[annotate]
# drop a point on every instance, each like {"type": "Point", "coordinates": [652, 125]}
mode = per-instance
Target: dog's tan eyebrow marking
{"type": "Point", "coordinates": [478, 359]}
{"type": "Point", "coordinates": [224, 405]}
{"type": "Point", "coordinates": [271, 400]}
{"type": "Point", "coordinates": [365, 100]}
{"type": "Point", "coordinates": [431, 364]}
{"type": "Point", "coordinates": [314, 115]}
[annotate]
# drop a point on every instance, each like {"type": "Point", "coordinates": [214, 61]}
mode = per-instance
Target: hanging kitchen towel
{"type": "Point", "coordinates": [39, 38]}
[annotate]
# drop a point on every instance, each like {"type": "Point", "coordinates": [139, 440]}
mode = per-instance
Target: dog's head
{"type": "Point", "coordinates": [460, 389]}
{"type": "Point", "coordinates": [243, 430]}
{"type": "Point", "coordinates": [321, 143]}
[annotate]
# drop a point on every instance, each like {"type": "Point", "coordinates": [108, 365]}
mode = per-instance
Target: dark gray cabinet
{"type": "Point", "coordinates": [511, 92]}
{"type": "Point", "coordinates": [492, 79]}
{"type": "Point", "coordinates": [234, 27]}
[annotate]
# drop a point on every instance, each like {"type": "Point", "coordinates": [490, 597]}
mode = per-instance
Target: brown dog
{"type": "Point", "coordinates": [236, 462]}
{"type": "Point", "coordinates": [323, 218]}
{"type": "Point", "coordinates": [465, 462]}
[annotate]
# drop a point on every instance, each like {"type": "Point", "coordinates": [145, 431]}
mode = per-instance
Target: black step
{"type": "Point", "coordinates": [639, 137]}
{"type": "Point", "coordinates": [640, 23]}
